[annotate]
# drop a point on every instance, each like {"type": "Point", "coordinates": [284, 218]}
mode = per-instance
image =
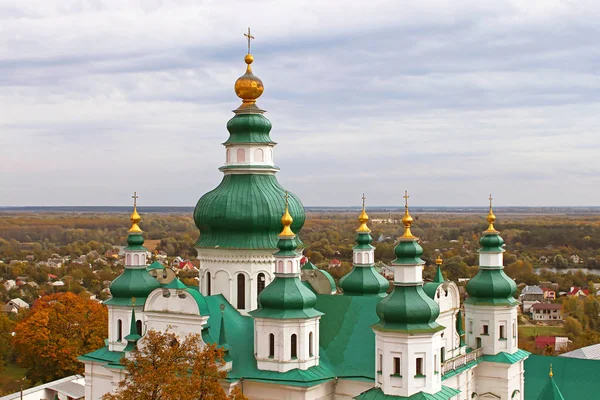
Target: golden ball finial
{"type": "Point", "coordinates": [249, 59]}
{"type": "Point", "coordinates": [491, 218]}
{"type": "Point", "coordinates": [551, 374]}
{"type": "Point", "coordinates": [438, 260]}
{"type": "Point", "coordinates": [407, 220]}
{"type": "Point", "coordinates": [363, 218]}
{"type": "Point", "coordinates": [135, 217]}
{"type": "Point", "coordinates": [287, 219]}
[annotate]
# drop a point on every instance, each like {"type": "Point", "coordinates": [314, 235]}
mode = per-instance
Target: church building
{"type": "Point", "coordinates": [291, 333]}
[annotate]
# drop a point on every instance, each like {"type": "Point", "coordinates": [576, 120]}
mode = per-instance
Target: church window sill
{"type": "Point", "coordinates": [379, 372]}
{"type": "Point", "coordinates": [419, 376]}
{"type": "Point", "coordinates": [503, 338]}
{"type": "Point", "coordinates": [396, 375]}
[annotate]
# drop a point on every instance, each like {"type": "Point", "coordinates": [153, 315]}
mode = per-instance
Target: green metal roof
{"type": "Point", "coordinates": [286, 298]}
{"type": "Point", "coordinates": [430, 288]}
{"type": "Point", "coordinates": [175, 284]}
{"type": "Point", "coordinates": [408, 253]}
{"type": "Point", "coordinates": [491, 243]}
{"type": "Point", "coordinates": [551, 391]}
{"type": "Point", "coordinates": [249, 128]}
{"type": "Point", "coordinates": [244, 212]}
{"type": "Point", "coordinates": [309, 265]}
{"type": "Point", "coordinates": [132, 282]}
{"type": "Point", "coordinates": [155, 265]}
{"type": "Point", "coordinates": [364, 281]}
{"type": "Point", "coordinates": [507, 358]}
{"type": "Point", "coordinates": [376, 394]}
{"type": "Point", "coordinates": [577, 378]}
{"type": "Point", "coordinates": [408, 309]}
{"type": "Point", "coordinates": [102, 355]}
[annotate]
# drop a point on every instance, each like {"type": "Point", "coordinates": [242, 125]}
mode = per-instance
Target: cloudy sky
{"type": "Point", "coordinates": [449, 100]}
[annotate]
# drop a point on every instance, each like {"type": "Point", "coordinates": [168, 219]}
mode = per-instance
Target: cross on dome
{"type": "Point", "coordinates": [135, 197]}
{"type": "Point", "coordinates": [250, 37]}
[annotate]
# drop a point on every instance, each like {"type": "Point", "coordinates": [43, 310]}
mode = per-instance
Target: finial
{"type": "Point", "coordinates": [407, 220]}
{"type": "Point", "coordinates": [438, 260]}
{"type": "Point", "coordinates": [133, 301]}
{"type": "Point", "coordinates": [135, 217]}
{"type": "Point", "coordinates": [363, 218]}
{"type": "Point", "coordinates": [551, 374]}
{"type": "Point", "coordinates": [250, 37]}
{"type": "Point", "coordinates": [287, 219]}
{"type": "Point", "coordinates": [491, 218]}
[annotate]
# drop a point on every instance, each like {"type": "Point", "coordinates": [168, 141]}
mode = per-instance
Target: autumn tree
{"type": "Point", "coordinates": [59, 328]}
{"type": "Point", "coordinates": [6, 327]}
{"type": "Point", "coordinates": [165, 367]}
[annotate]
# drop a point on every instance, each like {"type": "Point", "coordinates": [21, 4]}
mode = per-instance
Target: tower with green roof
{"type": "Point", "coordinates": [491, 318]}
{"type": "Point", "coordinates": [239, 220]}
{"type": "Point", "coordinates": [407, 337]}
{"type": "Point", "coordinates": [363, 280]}
{"type": "Point", "coordinates": [286, 324]}
{"type": "Point", "coordinates": [134, 283]}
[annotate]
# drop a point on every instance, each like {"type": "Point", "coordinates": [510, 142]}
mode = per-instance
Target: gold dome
{"type": "Point", "coordinates": [363, 218]}
{"type": "Point", "coordinates": [287, 219]}
{"type": "Point", "coordinates": [491, 218]}
{"type": "Point", "coordinates": [407, 220]}
{"type": "Point", "coordinates": [249, 87]}
{"type": "Point", "coordinates": [438, 260]}
{"type": "Point", "coordinates": [135, 217]}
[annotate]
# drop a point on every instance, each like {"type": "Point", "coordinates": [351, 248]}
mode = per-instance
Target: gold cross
{"type": "Point", "coordinates": [250, 37]}
{"type": "Point", "coordinates": [363, 199]}
{"type": "Point", "coordinates": [135, 197]}
{"type": "Point", "coordinates": [287, 196]}
{"type": "Point", "coordinates": [405, 197]}
{"type": "Point", "coordinates": [491, 201]}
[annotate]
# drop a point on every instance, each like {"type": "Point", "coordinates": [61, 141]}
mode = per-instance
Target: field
{"type": "Point", "coordinates": [9, 378]}
{"type": "Point", "coordinates": [533, 331]}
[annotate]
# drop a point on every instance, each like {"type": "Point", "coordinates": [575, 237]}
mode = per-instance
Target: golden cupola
{"type": "Point", "coordinates": [248, 87]}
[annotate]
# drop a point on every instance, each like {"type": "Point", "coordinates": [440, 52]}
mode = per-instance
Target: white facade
{"type": "Point", "coordinates": [492, 328]}
{"type": "Point", "coordinates": [239, 275]}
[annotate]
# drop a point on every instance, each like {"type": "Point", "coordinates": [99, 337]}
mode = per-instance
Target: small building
{"type": "Point", "coordinates": [591, 352]}
{"type": "Point", "coordinates": [549, 294]}
{"type": "Point", "coordinates": [71, 388]}
{"type": "Point", "coordinates": [557, 343]}
{"type": "Point", "coordinates": [532, 293]}
{"type": "Point", "coordinates": [546, 312]}
{"type": "Point", "coordinates": [335, 263]}
{"type": "Point", "coordinates": [577, 291]}
{"type": "Point", "coordinates": [9, 284]}
{"type": "Point", "coordinates": [186, 266]}
{"type": "Point", "coordinates": [15, 305]}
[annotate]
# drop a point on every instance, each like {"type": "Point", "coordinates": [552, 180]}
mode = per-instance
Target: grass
{"type": "Point", "coordinates": [9, 377]}
{"type": "Point", "coordinates": [533, 331]}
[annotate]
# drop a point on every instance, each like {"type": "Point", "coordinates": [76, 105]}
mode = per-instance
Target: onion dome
{"type": "Point", "coordinates": [135, 281]}
{"type": "Point", "coordinates": [491, 286]}
{"type": "Point", "coordinates": [286, 297]}
{"type": "Point", "coordinates": [363, 279]}
{"type": "Point", "coordinates": [408, 308]}
{"type": "Point", "coordinates": [431, 287]}
{"type": "Point", "coordinates": [243, 211]}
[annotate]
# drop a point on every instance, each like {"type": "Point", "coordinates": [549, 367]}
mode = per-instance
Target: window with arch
{"type": "Point", "coordinates": [260, 283]}
{"type": "Point", "coordinates": [241, 292]}
{"type": "Point", "coordinates": [271, 155]}
{"type": "Point", "coordinates": [228, 156]}
{"type": "Point", "coordinates": [241, 155]}
{"type": "Point", "coordinates": [294, 346]}
{"type": "Point", "coordinates": [136, 259]}
{"type": "Point", "coordinates": [290, 266]}
{"type": "Point", "coordinates": [259, 155]}
{"type": "Point", "coordinates": [280, 265]}
{"type": "Point", "coordinates": [119, 330]}
{"type": "Point", "coordinates": [138, 327]}
{"type": "Point", "coordinates": [271, 345]}
{"type": "Point", "coordinates": [358, 258]}
{"type": "Point", "coordinates": [310, 344]}
{"type": "Point", "coordinates": [207, 277]}
{"type": "Point", "coordinates": [367, 258]}
{"type": "Point", "coordinates": [128, 259]}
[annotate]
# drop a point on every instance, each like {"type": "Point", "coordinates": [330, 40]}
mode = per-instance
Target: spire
{"type": "Point", "coordinates": [249, 87]}
{"type": "Point", "coordinates": [223, 336]}
{"type": "Point", "coordinates": [363, 218]}
{"type": "Point", "coordinates": [135, 217]}
{"type": "Point", "coordinates": [407, 220]}
{"type": "Point", "coordinates": [491, 218]}
{"type": "Point", "coordinates": [550, 374]}
{"type": "Point", "coordinates": [439, 278]}
{"type": "Point", "coordinates": [551, 390]}
{"type": "Point", "coordinates": [133, 336]}
{"type": "Point", "coordinates": [287, 219]}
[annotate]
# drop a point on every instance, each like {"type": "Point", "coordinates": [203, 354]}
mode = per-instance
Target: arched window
{"type": "Point", "coordinates": [260, 283]}
{"type": "Point", "coordinates": [128, 262]}
{"type": "Point", "coordinates": [241, 155]}
{"type": "Point", "coordinates": [280, 265]}
{"type": "Point", "coordinates": [294, 348]}
{"type": "Point", "coordinates": [138, 327]}
{"type": "Point", "coordinates": [290, 266]}
{"type": "Point", "coordinates": [119, 330]}
{"type": "Point", "coordinates": [207, 278]}
{"type": "Point", "coordinates": [241, 292]}
{"type": "Point", "coordinates": [310, 344]}
{"type": "Point", "coordinates": [271, 345]}
{"type": "Point", "coordinates": [136, 259]}
{"type": "Point", "coordinates": [358, 258]}
{"type": "Point", "coordinates": [270, 155]}
{"type": "Point", "coordinates": [367, 258]}
{"type": "Point", "coordinates": [228, 156]}
{"type": "Point", "coordinates": [259, 155]}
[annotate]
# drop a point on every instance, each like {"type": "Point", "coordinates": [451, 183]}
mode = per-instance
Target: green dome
{"type": "Point", "coordinates": [408, 308]}
{"type": "Point", "coordinates": [491, 286]}
{"type": "Point", "coordinates": [408, 253]}
{"type": "Point", "coordinates": [491, 243]}
{"type": "Point", "coordinates": [136, 283]}
{"type": "Point", "coordinates": [286, 297]}
{"type": "Point", "coordinates": [364, 281]}
{"type": "Point", "coordinates": [135, 240]}
{"type": "Point", "coordinates": [244, 212]}
{"type": "Point", "coordinates": [249, 128]}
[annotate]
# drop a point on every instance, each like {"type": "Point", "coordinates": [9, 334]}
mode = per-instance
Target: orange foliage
{"type": "Point", "coordinates": [59, 328]}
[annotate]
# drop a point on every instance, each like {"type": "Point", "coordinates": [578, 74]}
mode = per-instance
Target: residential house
{"type": "Point", "coordinates": [14, 305]}
{"type": "Point", "coordinates": [55, 262]}
{"type": "Point", "coordinates": [52, 277]}
{"type": "Point", "coordinates": [549, 285]}
{"type": "Point", "coordinates": [549, 294]}
{"type": "Point", "coordinates": [530, 295]}
{"type": "Point", "coordinates": [575, 259]}
{"type": "Point", "coordinates": [335, 263]}
{"type": "Point", "coordinates": [176, 261]}
{"type": "Point", "coordinates": [9, 284]}
{"type": "Point", "coordinates": [557, 343]}
{"type": "Point", "coordinates": [21, 280]}
{"type": "Point", "coordinates": [546, 312]}
{"type": "Point", "coordinates": [543, 260]}
{"type": "Point", "coordinates": [30, 257]}
{"type": "Point", "coordinates": [577, 291]}
{"type": "Point", "coordinates": [186, 266]}
{"type": "Point", "coordinates": [591, 352]}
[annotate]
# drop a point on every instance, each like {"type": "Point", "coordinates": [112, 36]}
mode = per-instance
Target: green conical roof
{"type": "Point", "coordinates": [491, 285]}
{"type": "Point", "coordinates": [550, 390]}
{"type": "Point", "coordinates": [136, 283]}
{"type": "Point", "coordinates": [364, 280]}
{"type": "Point", "coordinates": [155, 265]}
{"type": "Point", "coordinates": [408, 309]}
{"type": "Point", "coordinates": [286, 298]}
{"type": "Point", "coordinates": [133, 336]}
